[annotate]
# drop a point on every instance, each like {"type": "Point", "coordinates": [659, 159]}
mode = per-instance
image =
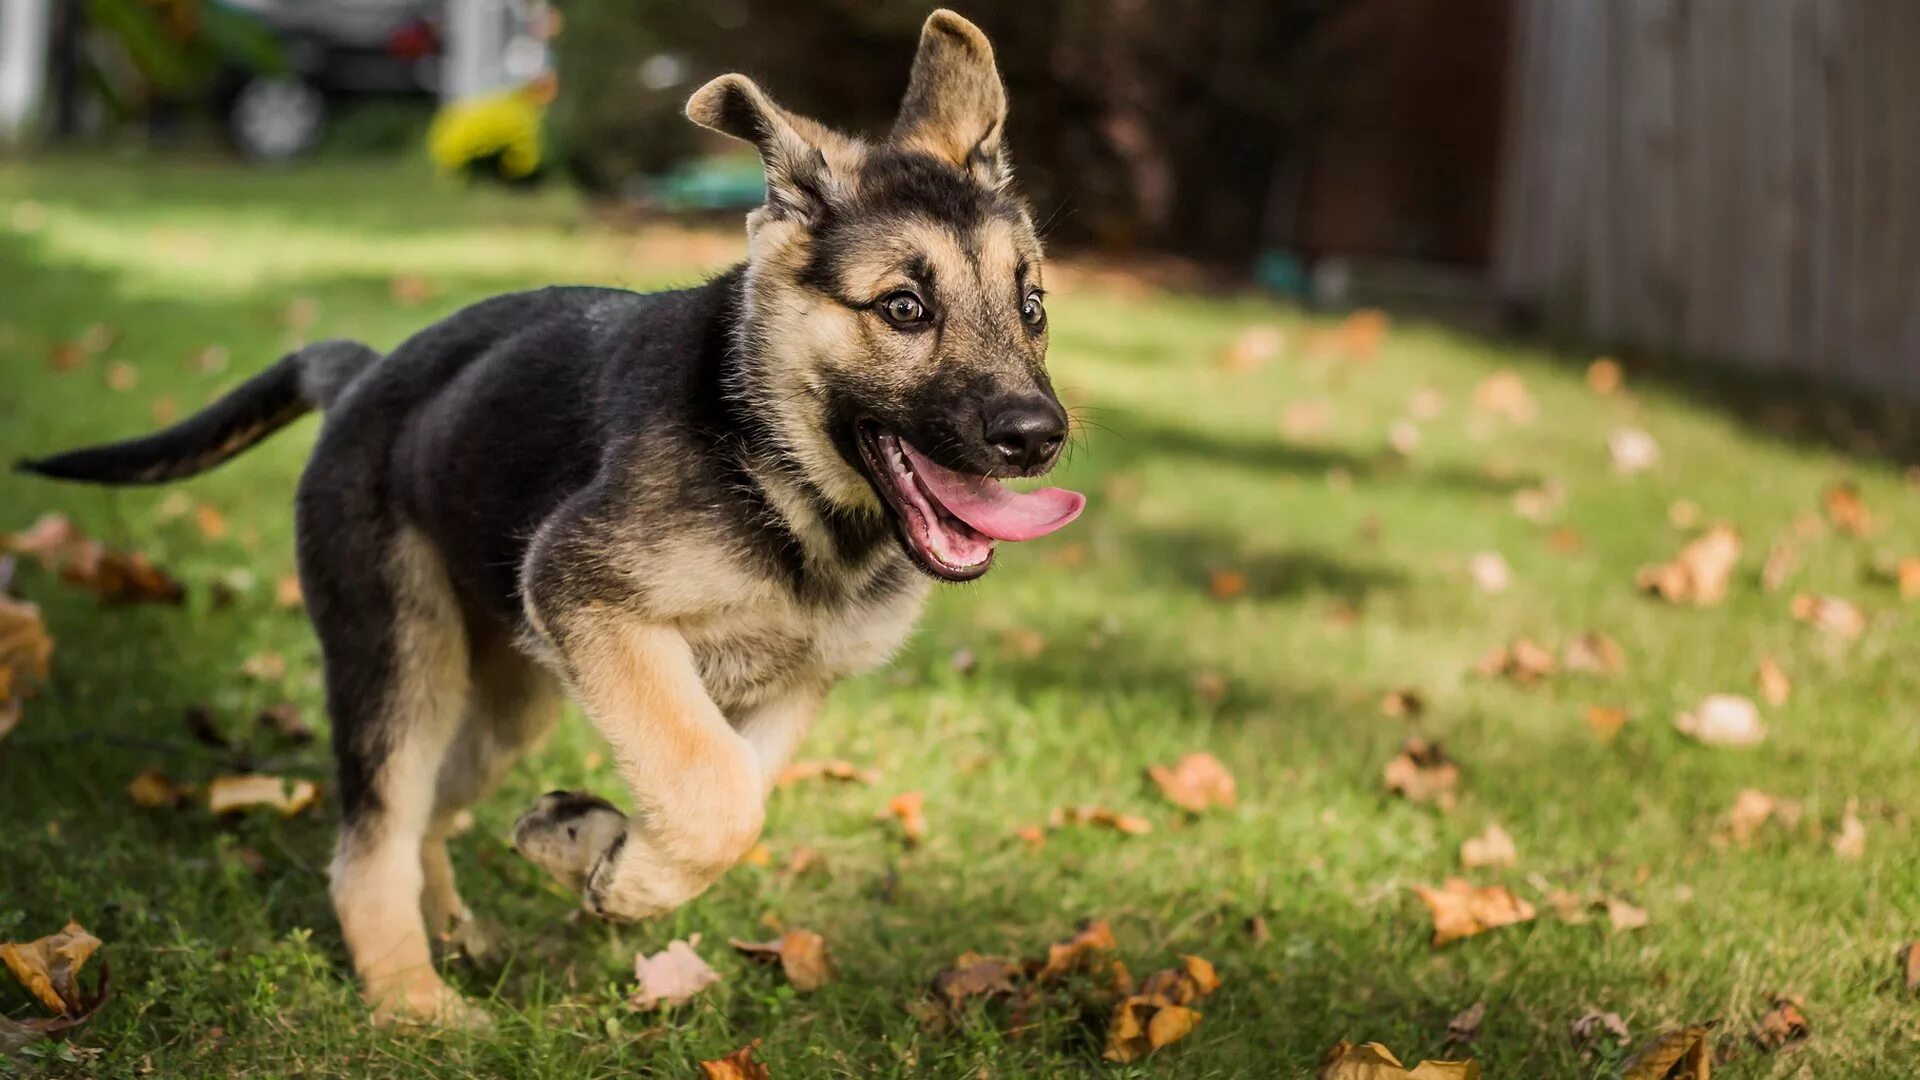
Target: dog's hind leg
{"type": "Point", "coordinates": [398, 688]}
{"type": "Point", "coordinates": [513, 704]}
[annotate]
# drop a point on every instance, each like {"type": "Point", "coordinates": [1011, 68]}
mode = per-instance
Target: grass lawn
{"type": "Point", "coordinates": [1095, 653]}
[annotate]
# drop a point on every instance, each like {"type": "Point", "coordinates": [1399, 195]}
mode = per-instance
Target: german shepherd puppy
{"type": "Point", "coordinates": [693, 511]}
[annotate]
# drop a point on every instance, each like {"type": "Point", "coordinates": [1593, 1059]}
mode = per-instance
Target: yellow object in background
{"type": "Point", "coordinates": [501, 131]}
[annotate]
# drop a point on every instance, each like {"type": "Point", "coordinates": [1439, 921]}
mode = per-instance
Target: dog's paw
{"type": "Point", "coordinates": [567, 833]}
{"type": "Point", "coordinates": [480, 941]}
{"type": "Point", "coordinates": [426, 1002]}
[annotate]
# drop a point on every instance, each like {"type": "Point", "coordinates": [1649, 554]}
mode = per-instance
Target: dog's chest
{"type": "Point", "coordinates": [745, 656]}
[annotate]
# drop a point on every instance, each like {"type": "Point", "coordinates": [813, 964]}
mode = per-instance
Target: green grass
{"type": "Point", "coordinates": [1355, 562]}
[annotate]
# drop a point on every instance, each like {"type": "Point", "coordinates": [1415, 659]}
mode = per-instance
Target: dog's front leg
{"type": "Point", "coordinates": [697, 784]}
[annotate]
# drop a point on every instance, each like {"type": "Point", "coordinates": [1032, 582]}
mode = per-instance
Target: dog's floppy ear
{"type": "Point", "coordinates": [808, 167]}
{"type": "Point", "coordinates": [955, 108]}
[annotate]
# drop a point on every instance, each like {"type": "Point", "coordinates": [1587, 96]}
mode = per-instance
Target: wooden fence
{"type": "Point", "coordinates": [1736, 179]}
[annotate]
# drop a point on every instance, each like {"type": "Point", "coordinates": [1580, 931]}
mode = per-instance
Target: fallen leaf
{"type": "Point", "coordinates": [26, 654]}
{"type": "Point", "coordinates": [1699, 574]}
{"type": "Point", "coordinates": [1624, 916]}
{"type": "Point", "coordinates": [285, 721]}
{"type": "Point", "coordinates": [836, 769]}
{"type": "Point", "coordinates": [122, 376]}
{"type": "Point", "coordinates": [1775, 687]}
{"type": "Point", "coordinates": [671, 976]}
{"type": "Point", "coordinates": [1846, 510]}
{"type": "Point", "coordinates": [739, 1065]}
{"type": "Point", "coordinates": [1465, 1027]}
{"type": "Point", "coordinates": [1907, 573]}
{"type": "Point", "coordinates": [1538, 503]}
{"type": "Point", "coordinates": [1129, 824]}
{"type": "Point", "coordinates": [1830, 615]}
{"type": "Point", "coordinates": [1362, 333]}
{"type": "Point", "coordinates": [1909, 957]}
{"type": "Point", "coordinates": [1674, 1055]}
{"type": "Point", "coordinates": [1524, 661]}
{"type": "Point", "coordinates": [1723, 720]}
{"type": "Point", "coordinates": [1632, 451]}
{"type": "Point", "coordinates": [265, 666]}
{"type": "Point", "coordinates": [1594, 653]}
{"type": "Point", "coordinates": [1606, 721]}
{"type": "Point", "coordinates": [1590, 1027]}
{"type": "Point", "coordinates": [972, 976]}
{"type": "Point", "coordinates": [1253, 348]}
{"type": "Point", "coordinates": [1405, 702]}
{"type": "Point", "coordinates": [1372, 1061]}
{"type": "Point", "coordinates": [111, 576]}
{"type": "Point", "coordinates": [1490, 572]}
{"type": "Point", "coordinates": [210, 521]}
{"type": "Point", "coordinates": [50, 967]}
{"type": "Point", "coordinates": [1461, 909]}
{"type": "Point", "coordinates": [227, 794]}
{"type": "Point", "coordinates": [1604, 376]}
{"type": "Point", "coordinates": [1197, 782]}
{"type": "Point", "coordinates": [1033, 836]}
{"type": "Point", "coordinates": [908, 808]}
{"type": "Point", "coordinates": [1492, 848]}
{"type": "Point", "coordinates": [286, 593]}
{"type": "Point", "coordinates": [1852, 842]}
{"type": "Point", "coordinates": [1141, 1025]}
{"type": "Point", "coordinates": [1566, 540]}
{"type": "Point", "coordinates": [1752, 809]}
{"type": "Point", "coordinates": [1226, 584]}
{"type": "Point", "coordinates": [1423, 773]}
{"type": "Point", "coordinates": [153, 791]}
{"type": "Point", "coordinates": [1503, 394]}
{"type": "Point", "coordinates": [1094, 937]}
{"type": "Point", "coordinates": [802, 955]}
{"type": "Point", "coordinates": [1783, 1027]}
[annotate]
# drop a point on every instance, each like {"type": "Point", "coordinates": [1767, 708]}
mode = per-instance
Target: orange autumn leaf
{"type": "Point", "coordinates": [1159, 1013]}
{"type": "Point", "coordinates": [1783, 1027]}
{"type": "Point", "coordinates": [1461, 909]}
{"type": "Point", "coordinates": [1423, 773]}
{"type": "Point", "coordinates": [1831, 615]}
{"type": "Point", "coordinates": [1525, 662]}
{"type": "Point", "coordinates": [230, 794]}
{"type": "Point", "coordinates": [1606, 721]}
{"type": "Point", "coordinates": [1775, 687]}
{"type": "Point", "coordinates": [909, 809]}
{"type": "Point", "coordinates": [1196, 783]}
{"type": "Point", "coordinates": [1492, 848]}
{"type": "Point", "coordinates": [211, 523]}
{"type": "Point", "coordinates": [1907, 574]}
{"type": "Point", "coordinates": [1846, 510]}
{"type": "Point", "coordinates": [287, 594]}
{"type": "Point", "coordinates": [1128, 824]}
{"type": "Point", "coordinates": [49, 967]}
{"type": "Point", "coordinates": [1683, 1054]}
{"type": "Point", "coordinates": [1093, 938]}
{"type": "Point", "coordinates": [1226, 584]}
{"type": "Point", "coordinates": [1373, 1061]}
{"type": "Point", "coordinates": [802, 955]}
{"type": "Point", "coordinates": [739, 1065]}
{"type": "Point", "coordinates": [152, 790]}
{"type": "Point", "coordinates": [111, 576]}
{"type": "Point", "coordinates": [1504, 395]}
{"type": "Point", "coordinates": [1594, 653]}
{"type": "Point", "coordinates": [1604, 376]}
{"type": "Point", "coordinates": [835, 769]}
{"type": "Point", "coordinates": [1700, 573]}
{"type": "Point", "coordinates": [26, 654]}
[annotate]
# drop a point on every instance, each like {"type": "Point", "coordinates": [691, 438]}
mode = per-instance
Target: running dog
{"type": "Point", "coordinates": [692, 511]}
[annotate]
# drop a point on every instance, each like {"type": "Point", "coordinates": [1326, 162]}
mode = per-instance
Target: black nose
{"type": "Point", "coordinates": [1026, 433]}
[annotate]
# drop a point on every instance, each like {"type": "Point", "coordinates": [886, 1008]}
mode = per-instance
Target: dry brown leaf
{"type": "Point", "coordinates": [1405, 702]}
{"type": "Point", "coordinates": [285, 721]}
{"type": "Point", "coordinates": [227, 794]}
{"type": "Point", "coordinates": [1461, 909]}
{"type": "Point", "coordinates": [1783, 1027]}
{"type": "Point", "coordinates": [1524, 661]}
{"type": "Point", "coordinates": [1846, 510]}
{"type": "Point", "coordinates": [287, 594]}
{"type": "Point", "coordinates": [1490, 572]}
{"type": "Point", "coordinates": [802, 955]}
{"type": "Point", "coordinates": [1674, 1055]}
{"type": "Point", "coordinates": [1537, 504]}
{"type": "Point", "coordinates": [1492, 848]}
{"type": "Point", "coordinates": [1632, 451]}
{"type": "Point", "coordinates": [1909, 958]}
{"type": "Point", "coordinates": [265, 666]}
{"type": "Point", "coordinates": [671, 976]}
{"type": "Point", "coordinates": [49, 968]}
{"type": "Point", "coordinates": [739, 1065]}
{"type": "Point", "coordinates": [1852, 842]}
{"type": "Point", "coordinates": [1197, 782]}
{"type": "Point", "coordinates": [1699, 574]}
{"type": "Point", "coordinates": [972, 976]}
{"type": "Point", "coordinates": [1907, 574]}
{"type": "Point", "coordinates": [1606, 721]}
{"type": "Point", "coordinates": [1193, 980]}
{"type": "Point", "coordinates": [210, 521]}
{"type": "Point", "coordinates": [1093, 938]}
{"type": "Point", "coordinates": [1503, 394]}
{"type": "Point", "coordinates": [122, 376]}
{"type": "Point", "coordinates": [1372, 1061]}
{"type": "Point", "coordinates": [153, 791]}
{"type": "Point", "coordinates": [1566, 540]}
{"type": "Point", "coordinates": [1253, 348]}
{"type": "Point", "coordinates": [835, 769]}
{"type": "Point", "coordinates": [1604, 376]}
{"type": "Point", "coordinates": [26, 653]}
{"type": "Point", "coordinates": [909, 809]}
{"type": "Point", "coordinates": [1594, 1024]}
{"type": "Point", "coordinates": [1624, 916]}
{"type": "Point", "coordinates": [1465, 1026]}
{"type": "Point", "coordinates": [1752, 809]}
{"type": "Point", "coordinates": [1594, 653]}
{"type": "Point", "coordinates": [1141, 1025]}
{"type": "Point", "coordinates": [1226, 584]}
{"type": "Point", "coordinates": [1129, 824]}
{"type": "Point", "coordinates": [1723, 720]}
{"type": "Point", "coordinates": [1034, 836]}
{"type": "Point", "coordinates": [1830, 615]}
{"type": "Point", "coordinates": [1775, 687]}
{"type": "Point", "coordinates": [111, 576]}
{"type": "Point", "coordinates": [1423, 773]}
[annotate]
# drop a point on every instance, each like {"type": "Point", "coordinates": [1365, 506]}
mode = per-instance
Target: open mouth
{"type": "Point", "coordinates": [950, 520]}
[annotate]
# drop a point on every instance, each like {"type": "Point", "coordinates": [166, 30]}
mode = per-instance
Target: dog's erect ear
{"type": "Point", "coordinates": [808, 166]}
{"type": "Point", "coordinates": [956, 108]}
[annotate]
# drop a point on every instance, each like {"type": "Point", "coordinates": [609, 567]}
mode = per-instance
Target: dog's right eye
{"type": "Point", "coordinates": [903, 309]}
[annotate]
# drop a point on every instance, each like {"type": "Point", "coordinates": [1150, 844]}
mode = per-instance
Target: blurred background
{"type": "Point", "coordinates": [1723, 178]}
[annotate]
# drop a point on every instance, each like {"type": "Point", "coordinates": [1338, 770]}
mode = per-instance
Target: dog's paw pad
{"type": "Point", "coordinates": [567, 832]}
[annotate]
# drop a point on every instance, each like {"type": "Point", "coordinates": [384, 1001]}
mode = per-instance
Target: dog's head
{"type": "Point", "coordinates": [895, 309]}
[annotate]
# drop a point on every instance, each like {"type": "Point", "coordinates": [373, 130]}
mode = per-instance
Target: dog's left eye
{"type": "Point", "coordinates": [903, 309]}
{"type": "Point", "coordinates": [1032, 312]}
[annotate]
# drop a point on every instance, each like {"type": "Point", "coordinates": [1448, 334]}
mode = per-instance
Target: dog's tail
{"type": "Point", "coordinates": [309, 379]}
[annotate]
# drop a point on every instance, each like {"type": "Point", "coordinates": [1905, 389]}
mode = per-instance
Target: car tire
{"type": "Point", "coordinates": [277, 119]}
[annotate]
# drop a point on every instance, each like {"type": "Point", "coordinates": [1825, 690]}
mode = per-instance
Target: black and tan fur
{"type": "Point", "coordinates": [656, 504]}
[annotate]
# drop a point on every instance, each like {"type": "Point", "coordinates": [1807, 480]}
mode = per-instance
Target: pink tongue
{"type": "Point", "coordinates": [993, 508]}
